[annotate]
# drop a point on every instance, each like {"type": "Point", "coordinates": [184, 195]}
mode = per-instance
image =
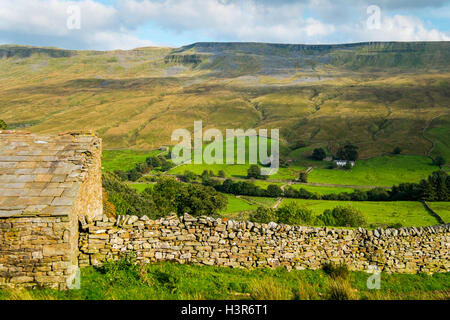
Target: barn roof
{"type": "Point", "coordinates": [42, 174]}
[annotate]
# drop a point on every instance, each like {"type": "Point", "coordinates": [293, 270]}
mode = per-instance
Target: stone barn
{"type": "Point", "coordinates": [47, 183]}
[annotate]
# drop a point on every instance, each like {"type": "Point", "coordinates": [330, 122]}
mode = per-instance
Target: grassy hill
{"type": "Point", "coordinates": [375, 95]}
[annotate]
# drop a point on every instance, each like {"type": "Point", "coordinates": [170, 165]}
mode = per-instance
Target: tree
{"type": "Point", "coordinates": [199, 200]}
{"type": "Point", "coordinates": [438, 181]}
{"type": "Point", "coordinates": [134, 175]}
{"type": "Point", "coordinates": [303, 177]}
{"type": "Point", "coordinates": [348, 152]}
{"type": "Point", "coordinates": [397, 150]}
{"type": "Point", "coordinates": [294, 214]}
{"type": "Point", "coordinates": [428, 192]}
{"type": "Point", "coordinates": [342, 217]}
{"type": "Point", "coordinates": [439, 161]}
{"type": "Point", "coordinates": [263, 215]}
{"type": "Point", "coordinates": [127, 201]}
{"type": "Point", "coordinates": [254, 172]}
{"type": "Point", "coordinates": [189, 176]}
{"type": "Point", "coordinates": [3, 125]}
{"type": "Point", "coordinates": [284, 163]}
{"type": "Point", "coordinates": [222, 174]}
{"type": "Point", "coordinates": [319, 154]}
{"type": "Point", "coordinates": [142, 167]}
{"type": "Point", "coordinates": [205, 174]}
{"type": "Point", "coordinates": [153, 162]}
{"type": "Point", "coordinates": [166, 166]}
{"type": "Point", "coordinates": [274, 191]}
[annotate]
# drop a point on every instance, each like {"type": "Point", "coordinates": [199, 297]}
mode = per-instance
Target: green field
{"type": "Point", "coordinates": [379, 171]}
{"type": "Point", "coordinates": [124, 159]}
{"type": "Point", "coordinates": [237, 205]}
{"type": "Point", "coordinates": [442, 209]}
{"type": "Point", "coordinates": [439, 133]}
{"type": "Point", "coordinates": [323, 190]}
{"type": "Point", "coordinates": [408, 213]}
{"type": "Point", "coordinates": [168, 281]}
{"type": "Point", "coordinates": [140, 187]}
{"type": "Point", "coordinates": [240, 207]}
{"type": "Point", "coordinates": [382, 171]}
{"type": "Point", "coordinates": [235, 170]}
{"type": "Point", "coordinates": [261, 201]}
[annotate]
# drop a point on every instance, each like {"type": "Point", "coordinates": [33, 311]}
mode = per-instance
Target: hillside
{"type": "Point", "coordinates": [375, 95]}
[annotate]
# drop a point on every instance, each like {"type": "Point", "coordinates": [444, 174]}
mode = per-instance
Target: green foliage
{"type": "Point", "coordinates": [221, 174]}
{"type": "Point", "coordinates": [303, 176]}
{"type": "Point", "coordinates": [274, 191]}
{"type": "Point", "coordinates": [293, 214]}
{"type": "Point", "coordinates": [269, 289]}
{"type": "Point", "coordinates": [339, 289]}
{"type": "Point", "coordinates": [200, 200]}
{"type": "Point", "coordinates": [264, 215]}
{"type": "Point", "coordinates": [408, 213]}
{"type": "Point", "coordinates": [319, 154]}
{"type": "Point", "coordinates": [153, 162]}
{"type": "Point", "coordinates": [254, 172]}
{"type": "Point", "coordinates": [123, 271]}
{"type": "Point", "coordinates": [133, 175]}
{"type": "Point", "coordinates": [3, 125]}
{"type": "Point", "coordinates": [342, 217]}
{"type": "Point", "coordinates": [167, 165]}
{"type": "Point", "coordinates": [439, 161]}
{"type": "Point", "coordinates": [165, 197]}
{"type": "Point", "coordinates": [170, 195]}
{"type": "Point", "coordinates": [336, 270]}
{"type": "Point", "coordinates": [349, 152]}
{"type": "Point", "coordinates": [189, 176]}
{"type": "Point", "coordinates": [435, 188]}
{"type": "Point", "coordinates": [128, 201]}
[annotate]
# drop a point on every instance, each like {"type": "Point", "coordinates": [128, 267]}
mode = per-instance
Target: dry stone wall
{"type": "Point", "coordinates": [229, 243]}
{"type": "Point", "coordinates": [36, 251]}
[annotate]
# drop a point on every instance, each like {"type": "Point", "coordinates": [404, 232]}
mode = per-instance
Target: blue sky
{"type": "Point", "coordinates": [126, 24]}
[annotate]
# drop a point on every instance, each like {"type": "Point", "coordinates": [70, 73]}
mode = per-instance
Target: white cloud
{"type": "Point", "coordinates": [243, 21]}
{"type": "Point", "coordinates": [44, 22]}
{"type": "Point", "coordinates": [47, 20]}
{"type": "Point", "coordinates": [400, 28]}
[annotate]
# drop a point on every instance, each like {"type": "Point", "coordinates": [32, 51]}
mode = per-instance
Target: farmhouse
{"type": "Point", "coordinates": [343, 163]}
{"type": "Point", "coordinates": [47, 183]}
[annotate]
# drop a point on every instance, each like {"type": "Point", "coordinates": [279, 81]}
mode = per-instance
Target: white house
{"type": "Point", "coordinates": [343, 163]}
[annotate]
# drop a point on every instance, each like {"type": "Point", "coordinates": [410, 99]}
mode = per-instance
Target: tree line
{"type": "Point", "coordinates": [163, 198]}
{"type": "Point", "coordinates": [435, 188]}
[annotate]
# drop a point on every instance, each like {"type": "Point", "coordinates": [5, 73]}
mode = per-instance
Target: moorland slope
{"type": "Point", "coordinates": [375, 95]}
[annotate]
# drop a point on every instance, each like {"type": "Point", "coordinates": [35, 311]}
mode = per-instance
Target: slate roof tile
{"type": "Point", "coordinates": [42, 174]}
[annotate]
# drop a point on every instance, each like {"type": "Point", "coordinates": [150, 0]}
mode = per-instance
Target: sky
{"type": "Point", "coordinates": [128, 24]}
